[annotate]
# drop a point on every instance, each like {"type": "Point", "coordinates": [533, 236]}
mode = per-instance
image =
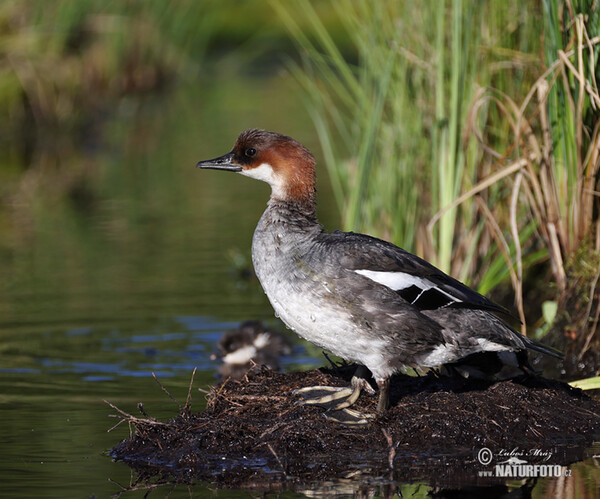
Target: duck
{"type": "Point", "coordinates": [361, 298]}
{"type": "Point", "coordinates": [250, 343]}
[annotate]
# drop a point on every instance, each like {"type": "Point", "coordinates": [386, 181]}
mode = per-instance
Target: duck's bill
{"type": "Point", "coordinates": [221, 163]}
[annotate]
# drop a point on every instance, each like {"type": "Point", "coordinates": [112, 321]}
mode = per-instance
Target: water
{"type": "Point", "coordinates": [118, 259]}
{"type": "Point", "coordinates": [133, 267]}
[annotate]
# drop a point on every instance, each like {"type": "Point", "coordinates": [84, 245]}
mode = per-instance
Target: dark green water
{"type": "Point", "coordinates": [118, 259]}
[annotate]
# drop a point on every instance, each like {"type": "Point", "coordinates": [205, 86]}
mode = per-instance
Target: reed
{"type": "Point", "coordinates": [551, 159]}
{"type": "Point", "coordinates": [445, 132]}
{"type": "Point", "coordinates": [391, 117]}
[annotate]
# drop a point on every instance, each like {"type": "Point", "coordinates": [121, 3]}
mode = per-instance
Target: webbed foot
{"type": "Point", "coordinates": [335, 398]}
{"type": "Point", "coordinates": [349, 417]}
{"type": "Point", "coordinates": [329, 397]}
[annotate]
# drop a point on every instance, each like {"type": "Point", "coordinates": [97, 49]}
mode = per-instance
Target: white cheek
{"type": "Point", "coordinates": [265, 173]}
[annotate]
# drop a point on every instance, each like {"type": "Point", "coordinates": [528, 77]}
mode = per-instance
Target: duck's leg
{"type": "Point", "coordinates": [334, 398]}
{"type": "Point", "coordinates": [384, 395]}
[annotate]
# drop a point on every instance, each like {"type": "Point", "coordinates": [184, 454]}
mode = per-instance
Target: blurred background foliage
{"type": "Point", "coordinates": [64, 60]}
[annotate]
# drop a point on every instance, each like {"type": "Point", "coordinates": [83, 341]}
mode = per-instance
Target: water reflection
{"type": "Point", "coordinates": [362, 484]}
{"type": "Point", "coordinates": [113, 267]}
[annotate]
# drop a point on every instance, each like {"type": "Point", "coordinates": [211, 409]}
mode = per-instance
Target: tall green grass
{"type": "Point", "coordinates": [553, 156]}
{"type": "Point", "coordinates": [572, 99]}
{"type": "Point", "coordinates": [391, 117]}
{"type": "Point", "coordinates": [440, 135]}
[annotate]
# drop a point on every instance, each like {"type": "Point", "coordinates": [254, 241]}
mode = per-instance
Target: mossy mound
{"type": "Point", "coordinates": [253, 434]}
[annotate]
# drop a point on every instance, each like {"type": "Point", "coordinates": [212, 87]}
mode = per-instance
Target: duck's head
{"type": "Point", "coordinates": [285, 164]}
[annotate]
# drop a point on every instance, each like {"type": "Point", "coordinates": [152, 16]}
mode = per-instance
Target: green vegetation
{"type": "Point", "coordinates": [65, 63]}
{"type": "Point", "coordinates": [448, 135]}
{"type": "Point", "coordinates": [63, 60]}
{"type": "Point", "coordinates": [587, 384]}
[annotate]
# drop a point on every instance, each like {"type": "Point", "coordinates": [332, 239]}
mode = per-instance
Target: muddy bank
{"type": "Point", "coordinates": [253, 435]}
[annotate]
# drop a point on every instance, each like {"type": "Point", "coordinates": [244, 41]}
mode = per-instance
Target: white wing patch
{"type": "Point", "coordinates": [401, 280]}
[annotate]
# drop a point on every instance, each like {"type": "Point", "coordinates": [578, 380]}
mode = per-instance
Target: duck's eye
{"type": "Point", "coordinates": [250, 152]}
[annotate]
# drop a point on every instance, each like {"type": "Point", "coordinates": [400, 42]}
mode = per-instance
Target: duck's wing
{"type": "Point", "coordinates": [416, 280]}
{"type": "Point", "coordinates": [430, 292]}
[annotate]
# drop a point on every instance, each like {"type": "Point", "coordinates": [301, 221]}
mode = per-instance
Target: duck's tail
{"type": "Point", "coordinates": [498, 365]}
{"type": "Point", "coordinates": [538, 347]}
